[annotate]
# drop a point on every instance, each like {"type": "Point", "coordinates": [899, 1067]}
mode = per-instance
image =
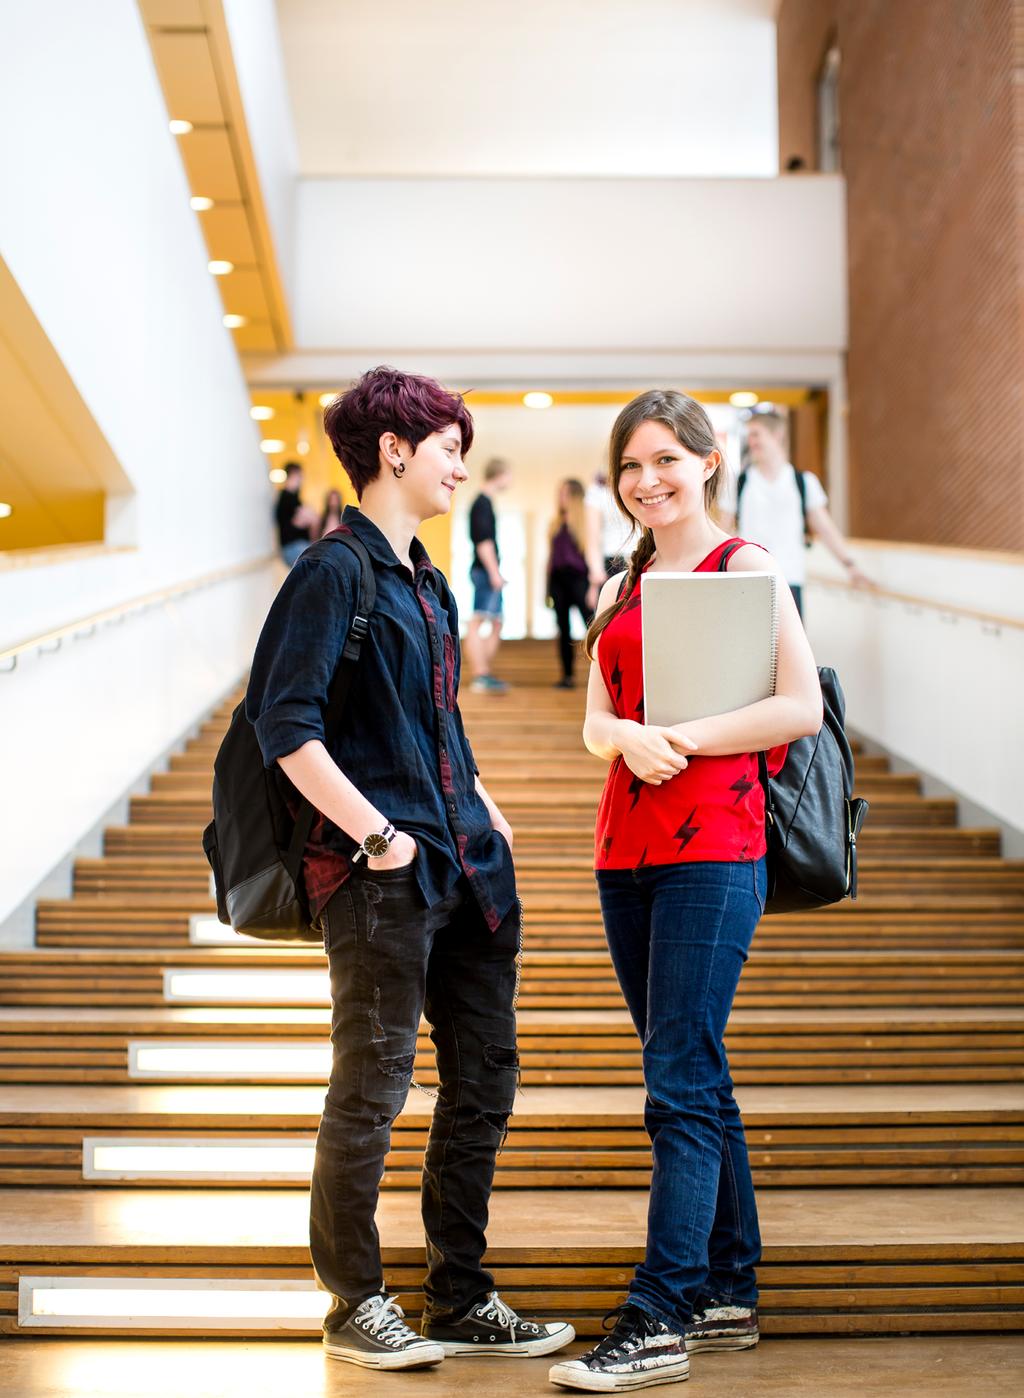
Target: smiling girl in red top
{"type": "Point", "coordinates": [681, 873]}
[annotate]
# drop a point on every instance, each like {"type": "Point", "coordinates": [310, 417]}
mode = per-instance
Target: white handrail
{"type": "Point", "coordinates": [87, 625]}
{"type": "Point", "coordinates": [991, 620]}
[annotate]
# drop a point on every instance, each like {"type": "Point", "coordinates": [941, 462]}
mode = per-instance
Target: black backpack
{"type": "Point", "coordinates": [812, 818]}
{"type": "Point", "coordinates": [254, 844]}
{"type": "Point", "coordinates": [801, 486]}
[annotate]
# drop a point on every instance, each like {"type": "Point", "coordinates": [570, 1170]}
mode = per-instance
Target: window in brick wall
{"type": "Point", "coordinates": [828, 113]}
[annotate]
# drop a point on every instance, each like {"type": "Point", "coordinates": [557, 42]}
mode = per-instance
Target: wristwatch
{"type": "Point", "coordinates": [376, 845]}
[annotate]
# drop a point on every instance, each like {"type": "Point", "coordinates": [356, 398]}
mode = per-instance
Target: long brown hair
{"type": "Point", "coordinates": [692, 429]}
{"type": "Point", "coordinates": [571, 515]}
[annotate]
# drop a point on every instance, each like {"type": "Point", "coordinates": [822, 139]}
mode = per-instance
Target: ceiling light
{"type": "Point", "coordinates": [302, 447]}
{"type": "Point", "coordinates": [235, 322]}
{"type": "Point", "coordinates": [180, 128]}
{"type": "Point", "coordinates": [201, 203]}
{"type": "Point", "coordinates": [219, 267]}
{"type": "Point", "coordinates": [278, 476]}
{"type": "Point", "coordinates": [259, 412]}
{"type": "Point", "coordinates": [326, 399]}
{"type": "Point", "coordinates": [537, 400]}
{"type": "Point", "coordinates": [272, 445]}
{"type": "Point", "coordinates": [5, 509]}
{"type": "Point", "coordinates": [743, 399]}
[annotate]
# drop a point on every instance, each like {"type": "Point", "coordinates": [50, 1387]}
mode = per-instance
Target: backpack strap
{"type": "Point", "coordinates": [741, 485]}
{"type": "Point", "coordinates": [727, 553]}
{"type": "Point", "coordinates": [341, 684]}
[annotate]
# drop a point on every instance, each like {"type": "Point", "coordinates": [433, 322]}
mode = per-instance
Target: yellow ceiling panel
{"type": "Point", "coordinates": [173, 14]}
{"type": "Point", "coordinates": [243, 294]}
{"type": "Point", "coordinates": [228, 235]}
{"type": "Point", "coordinates": [186, 71]}
{"type": "Point", "coordinates": [209, 163]}
{"type": "Point", "coordinates": [258, 335]}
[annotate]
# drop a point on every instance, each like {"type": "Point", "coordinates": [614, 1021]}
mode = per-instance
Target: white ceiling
{"type": "Point", "coordinates": [539, 87]}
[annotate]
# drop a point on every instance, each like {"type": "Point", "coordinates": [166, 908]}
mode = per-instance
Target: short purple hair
{"type": "Point", "coordinates": [386, 400]}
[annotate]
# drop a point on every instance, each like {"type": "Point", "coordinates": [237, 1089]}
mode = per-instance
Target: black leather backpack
{"type": "Point", "coordinates": [812, 817]}
{"type": "Point", "coordinates": [254, 843]}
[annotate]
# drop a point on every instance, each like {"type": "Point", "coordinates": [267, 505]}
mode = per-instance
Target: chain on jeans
{"type": "Point", "coordinates": [429, 1091]}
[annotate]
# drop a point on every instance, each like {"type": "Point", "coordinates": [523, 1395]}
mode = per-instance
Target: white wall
{"type": "Point", "coordinates": [96, 229]}
{"type": "Point", "coordinates": [940, 693]}
{"type": "Point", "coordinates": [552, 87]}
{"type": "Point", "coordinates": [609, 265]}
{"type": "Point", "coordinates": [256, 49]}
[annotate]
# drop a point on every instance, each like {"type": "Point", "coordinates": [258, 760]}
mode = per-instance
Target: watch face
{"type": "Point", "coordinates": [376, 846]}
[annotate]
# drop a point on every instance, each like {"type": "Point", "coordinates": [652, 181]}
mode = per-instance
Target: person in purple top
{"type": "Point", "coordinates": [567, 572]}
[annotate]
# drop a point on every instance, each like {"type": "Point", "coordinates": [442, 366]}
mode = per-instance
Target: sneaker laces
{"type": "Point", "coordinates": [385, 1319]}
{"type": "Point", "coordinates": [494, 1308]}
{"type": "Point", "coordinates": [627, 1317]}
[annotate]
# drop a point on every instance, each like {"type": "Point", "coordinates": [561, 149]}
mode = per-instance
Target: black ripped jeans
{"type": "Point", "coordinates": [391, 962]}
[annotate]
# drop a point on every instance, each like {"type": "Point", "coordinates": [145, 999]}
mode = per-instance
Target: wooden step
{"type": "Point", "coordinates": [836, 1261]}
{"type": "Point", "coordinates": [550, 978]}
{"type": "Point", "coordinates": [559, 1137]}
{"type": "Point", "coordinates": [578, 1047]}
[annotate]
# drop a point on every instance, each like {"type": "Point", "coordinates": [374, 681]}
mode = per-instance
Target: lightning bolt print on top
{"type": "Point", "coordinates": [713, 810]}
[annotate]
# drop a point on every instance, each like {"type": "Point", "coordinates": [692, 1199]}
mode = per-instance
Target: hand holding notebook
{"type": "Point", "coordinates": [710, 643]}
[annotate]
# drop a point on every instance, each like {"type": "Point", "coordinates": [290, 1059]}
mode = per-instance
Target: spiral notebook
{"type": "Point", "coordinates": [710, 643]}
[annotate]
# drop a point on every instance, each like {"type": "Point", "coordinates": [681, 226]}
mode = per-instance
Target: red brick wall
{"type": "Point", "coordinates": [931, 120]}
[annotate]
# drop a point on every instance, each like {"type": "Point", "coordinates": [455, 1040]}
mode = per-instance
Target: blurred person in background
{"type": "Point", "coordinates": [331, 517]}
{"type": "Point", "coordinates": [780, 508]}
{"type": "Point", "coordinates": [607, 537]}
{"type": "Point", "coordinates": [568, 581]}
{"type": "Point", "coordinates": [488, 583]}
{"type": "Point", "coordinates": [295, 521]}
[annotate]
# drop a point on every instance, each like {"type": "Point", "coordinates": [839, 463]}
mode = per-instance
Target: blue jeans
{"type": "Point", "coordinates": [291, 553]}
{"type": "Point", "coordinates": [679, 935]}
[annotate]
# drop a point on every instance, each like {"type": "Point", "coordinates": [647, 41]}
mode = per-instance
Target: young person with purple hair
{"type": "Point", "coordinates": [410, 871]}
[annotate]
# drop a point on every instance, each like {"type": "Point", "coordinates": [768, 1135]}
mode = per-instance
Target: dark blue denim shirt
{"type": "Point", "coordinates": [402, 741]}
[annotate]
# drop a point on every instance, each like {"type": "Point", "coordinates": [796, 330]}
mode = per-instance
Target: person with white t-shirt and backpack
{"type": "Point", "coordinates": [781, 509]}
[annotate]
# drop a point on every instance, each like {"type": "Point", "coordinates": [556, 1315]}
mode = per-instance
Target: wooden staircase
{"type": "Point", "coordinates": [160, 1095]}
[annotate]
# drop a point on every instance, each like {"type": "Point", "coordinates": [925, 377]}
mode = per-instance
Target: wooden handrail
{"type": "Point", "coordinates": [52, 640]}
{"type": "Point", "coordinates": [990, 619]}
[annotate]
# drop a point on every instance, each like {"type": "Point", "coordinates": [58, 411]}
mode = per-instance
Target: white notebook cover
{"type": "Point", "coordinates": [710, 643]}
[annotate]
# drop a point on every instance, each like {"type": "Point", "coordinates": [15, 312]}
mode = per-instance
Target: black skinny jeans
{"type": "Point", "coordinates": [568, 589]}
{"type": "Point", "coordinates": [391, 961]}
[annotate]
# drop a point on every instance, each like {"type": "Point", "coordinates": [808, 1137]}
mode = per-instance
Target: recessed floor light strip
{"type": "Point", "coordinates": [271, 987]}
{"type": "Point", "coordinates": [206, 931]}
{"type": "Point", "coordinates": [196, 1158]}
{"type": "Point", "coordinates": [150, 1302]}
{"type": "Point", "coordinates": [229, 1060]}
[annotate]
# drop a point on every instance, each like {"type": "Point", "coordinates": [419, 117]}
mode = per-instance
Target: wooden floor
{"type": "Point", "coordinates": [877, 1047]}
{"type": "Point", "coordinates": [988, 1366]}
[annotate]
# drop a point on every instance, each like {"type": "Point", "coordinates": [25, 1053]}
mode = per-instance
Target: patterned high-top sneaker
{"type": "Point", "coordinates": [640, 1352]}
{"type": "Point", "coordinates": [717, 1325]}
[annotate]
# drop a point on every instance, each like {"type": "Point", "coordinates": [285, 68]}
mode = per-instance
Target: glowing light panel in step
{"type": "Point", "coordinates": [208, 932]}
{"type": "Point", "coordinates": [271, 987]}
{"type": "Point", "coordinates": [229, 1060]}
{"type": "Point", "coordinates": [178, 1158]}
{"type": "Point", "coordinates": [150, 1302]}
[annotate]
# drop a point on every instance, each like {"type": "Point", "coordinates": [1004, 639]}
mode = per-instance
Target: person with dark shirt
{"type": "Point", "coordinates": [488, 583]}
{"type": "Point", "coordinates": [568, 581]}
{"type": "Point", "coordinates": [294, 519]}
{"type": "Point", "coordinates": [409, 870]}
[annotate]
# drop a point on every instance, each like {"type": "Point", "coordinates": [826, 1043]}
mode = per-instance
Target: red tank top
{"type": "Point", "coordinates": [713, 810]}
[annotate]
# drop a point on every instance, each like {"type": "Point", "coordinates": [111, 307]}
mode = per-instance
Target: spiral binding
{"type": "Point", "coordinates": [775, 631]}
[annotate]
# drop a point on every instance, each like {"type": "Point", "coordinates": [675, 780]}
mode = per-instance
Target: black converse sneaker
{"type": "Point", "coordinates": [376, 1336]}
{"type": "Point", "coordinates": [640, 1352]}
{"type": "Point", "coordinates": [492, 1327]}
{"type": "Point", "coordinates": [717, 1325]}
